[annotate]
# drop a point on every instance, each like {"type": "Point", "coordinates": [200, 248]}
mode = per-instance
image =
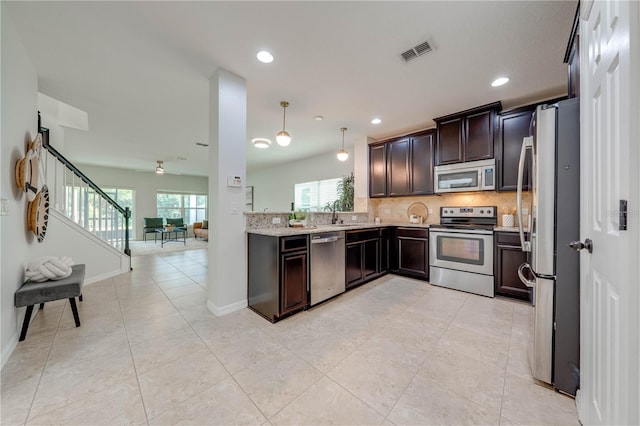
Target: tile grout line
{"type": "Point", "coordinates": [133, 362]}
{"type": "Point", "coordinates": [506, 369]}
{"type": "Point", "coordinates": [55, 336]}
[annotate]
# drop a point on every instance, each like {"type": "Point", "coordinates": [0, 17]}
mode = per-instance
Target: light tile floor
{"type": "Point", "coordinates": [394, 351]}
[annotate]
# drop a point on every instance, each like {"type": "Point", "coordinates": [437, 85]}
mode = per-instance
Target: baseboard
{"type": "Point", "coordinates": [227, 309]}
{"type": "Point", "coordinates": [103, 277]}
{"type": "Point", "coordinates": [6, 352]}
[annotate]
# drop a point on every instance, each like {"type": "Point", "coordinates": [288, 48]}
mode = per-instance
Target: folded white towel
{"type": "Point", "coordinates": [49, 268]}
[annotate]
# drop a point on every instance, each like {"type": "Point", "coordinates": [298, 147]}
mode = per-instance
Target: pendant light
{"type": "Point", "coordinates": [283, 137]}
{"type": "Point", "coordinates": [342, 154]}
{"type": "Point", "coordinates": [160, 169]}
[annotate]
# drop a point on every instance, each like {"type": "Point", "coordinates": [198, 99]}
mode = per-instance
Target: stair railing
{"type": "Point", "coordinates": [72, 193]}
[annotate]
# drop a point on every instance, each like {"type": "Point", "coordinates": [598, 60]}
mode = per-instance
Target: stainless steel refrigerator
{"type": "Point", "coordinates": [553, 267]}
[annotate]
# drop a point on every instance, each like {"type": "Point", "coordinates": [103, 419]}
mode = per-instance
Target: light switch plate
{"type": "Point", "coordinates": [387, 211]}
{"type": "Point", "coordinates": [4, 207]}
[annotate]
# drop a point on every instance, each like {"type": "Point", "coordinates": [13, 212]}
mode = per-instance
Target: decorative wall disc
{"type": "Point", "coordinates": [38, 214]}
{"type": "Point", "coordinates": [28, 169]}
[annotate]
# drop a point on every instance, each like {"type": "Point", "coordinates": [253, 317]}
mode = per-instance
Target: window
{"type": "Point", "coordinates": [314, 196]}
{"type": "Point", "coordinates": [191, 207]}
{"type": "Point", "coordinates": [88, 209]}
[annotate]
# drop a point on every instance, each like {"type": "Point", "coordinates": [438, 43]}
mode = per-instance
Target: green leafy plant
{"type": "Point", "coordinates": [346, 193]}
{"type": "Point", "coordinates": [300, 215]}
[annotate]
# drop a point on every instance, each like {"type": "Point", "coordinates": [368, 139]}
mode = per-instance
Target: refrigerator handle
{"type": "Point", "coordinates": [527, 143]}
{"type": "Point", "coordinates": [529, 283]}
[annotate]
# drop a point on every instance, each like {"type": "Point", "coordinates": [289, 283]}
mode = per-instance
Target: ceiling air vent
{"type": "Point", "coordinates": [416, 51]}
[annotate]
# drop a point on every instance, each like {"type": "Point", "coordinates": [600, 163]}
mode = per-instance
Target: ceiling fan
{"type": "Point", "coordinates": [160, 169]}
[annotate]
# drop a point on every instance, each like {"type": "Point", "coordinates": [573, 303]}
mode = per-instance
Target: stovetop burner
{"type": "Point", "coordinates": [482, 217]}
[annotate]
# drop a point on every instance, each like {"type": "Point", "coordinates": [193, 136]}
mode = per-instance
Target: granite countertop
{"type": "Point", "coordinates": [508, 229]}
{"type": "Point", "coordinates": [283, 232]}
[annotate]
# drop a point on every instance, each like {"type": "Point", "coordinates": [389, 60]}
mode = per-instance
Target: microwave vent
{"type": "Point", "coordinates": [416, 51]}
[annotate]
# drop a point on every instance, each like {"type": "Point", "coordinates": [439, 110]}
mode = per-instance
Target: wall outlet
{"type": "Point", "coordinates": [525, 211]}
{"type": "Point", "coordinates": [354, 217]}
{"type": "Point", "coordinates": [275, 220]}
{"type": "Point", "coordinates": [387, 211]}
{"type": "Point", "coordinates": [429, 211]}
{"type": "Point", "coordinates": [4, 207]}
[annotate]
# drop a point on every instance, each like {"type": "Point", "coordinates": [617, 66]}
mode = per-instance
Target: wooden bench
{"type": "Point", "coordinates": [32, 293]}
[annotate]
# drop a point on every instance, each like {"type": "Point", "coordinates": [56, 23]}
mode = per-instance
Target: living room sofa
{"type": "Point", "coordinates": [201, 229]}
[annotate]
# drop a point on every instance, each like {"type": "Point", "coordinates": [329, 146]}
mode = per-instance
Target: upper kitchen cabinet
{"type": "Point", "coordinates": [377, 171]}
{"type": "Point", "coordinates": [402, 166]}
{"type": "Point", "coordinates": [467, 135]}
{"type": "Point", "coordinates": [421, 163]}
{"type": "Point", "coordinates": [572, 58]}
{"type": "Point", "coordinates": [513, 127]}
{"type": "Point", "coordinates": [398, 167]}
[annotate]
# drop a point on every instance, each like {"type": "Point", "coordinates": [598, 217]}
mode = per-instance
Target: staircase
{"type": "Point", "coordinates": [77, 198]}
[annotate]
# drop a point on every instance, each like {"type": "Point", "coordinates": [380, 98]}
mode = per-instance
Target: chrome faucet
{"type": "Point", "coordinates": [334, 216]}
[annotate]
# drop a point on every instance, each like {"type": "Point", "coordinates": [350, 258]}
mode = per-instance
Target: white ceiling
{"type": "Point", "coordinates": [141, 69]}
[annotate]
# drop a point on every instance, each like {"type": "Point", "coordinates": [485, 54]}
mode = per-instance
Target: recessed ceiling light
{"type": "Point", "coordinates": [500, 81]}
{"type": "Point", "coordinates": [318, 118]}
{"type": "Point", "coordinates": [265, 57]}
{"type": "Point", "coordinates": [376, 121]}
{"type": "Point", "coordinates": [261, 143]}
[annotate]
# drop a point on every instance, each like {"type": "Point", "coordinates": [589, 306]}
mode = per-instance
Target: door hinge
{"type": "Point", "coordinates": [623, 216]}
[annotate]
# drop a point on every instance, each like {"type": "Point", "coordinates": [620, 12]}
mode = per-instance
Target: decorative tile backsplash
{"type": "Point", "coordinates": [394, 209]}
{"type": "Point", "coordinates": [263, 220]}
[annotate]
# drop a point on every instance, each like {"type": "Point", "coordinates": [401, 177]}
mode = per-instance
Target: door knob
{"type": "Point", "coordinates": [579, 245]}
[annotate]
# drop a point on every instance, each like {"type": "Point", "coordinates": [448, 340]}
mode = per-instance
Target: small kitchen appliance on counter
{"type": "Point", "coordinates": [461, 249]}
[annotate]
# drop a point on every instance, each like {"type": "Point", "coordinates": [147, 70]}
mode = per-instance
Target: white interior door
{"type": "Point", "coordinates": [609, 277]}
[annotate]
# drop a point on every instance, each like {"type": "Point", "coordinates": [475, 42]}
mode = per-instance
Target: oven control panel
{"type": "Point", "coordinates": [482, 211]}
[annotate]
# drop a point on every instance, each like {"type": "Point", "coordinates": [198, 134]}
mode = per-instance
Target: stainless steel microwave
{"type": "Point", "coordinates": [472, 176]}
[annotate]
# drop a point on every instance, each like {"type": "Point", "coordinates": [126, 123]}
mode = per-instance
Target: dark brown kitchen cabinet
{"type": "Point", "coordinates": [362, 262]}
{"type": "Point", "coordinates": [508, 256]}
{"type": "Point", "coordinates": [421, 163]}
{"type": "Point", "coordinates": [385, 249]}
{"type": "Point", "coordinates": [411, 252]}
{"type": "Point", "coordinates": [513, 127]}
{"type": "Point", "coordinates": [398, 167]}
{"type": "Point", "coordinates": [572, 58]}
{"type": "Point", "coordinates": [293, 282]}
{"type": "Point", "coordinates": [405, 163]}
{"type": "Point", "coordinates": [377, 171]}
{"type": "Point", "coordinates": [278, 274]}
{"type": "Point", "coordinates": [466, 136]}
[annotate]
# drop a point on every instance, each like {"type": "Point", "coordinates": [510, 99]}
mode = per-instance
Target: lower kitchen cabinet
{"type": "Point", "coordinates": [293, 283]}
{"type": "Point", "coordinates": [508, 256]}
{"type": "Point", "coordinates": [411, 252]}
{"type": "Point", "coordinates": [363, 254]}
{"type": "Point", "coordinates": [278, 274]}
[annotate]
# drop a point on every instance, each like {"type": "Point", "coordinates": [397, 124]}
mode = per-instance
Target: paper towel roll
{"type": "Point", "coordinates": [507, 220]}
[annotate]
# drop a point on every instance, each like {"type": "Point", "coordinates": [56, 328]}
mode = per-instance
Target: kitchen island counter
{"type": "Point", "coordinates": [283, 232]}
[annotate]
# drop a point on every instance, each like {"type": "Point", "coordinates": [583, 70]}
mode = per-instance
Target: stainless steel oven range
{"type": "Point", "coordinates": [461, 249]}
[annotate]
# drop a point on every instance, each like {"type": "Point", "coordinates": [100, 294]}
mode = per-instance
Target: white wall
{"type": "Point", "coordinates": [146, 186]}
{"type": "Point", "coordinates": [19, 126]}
{"type": "Point", "coordinates": [273, 186]}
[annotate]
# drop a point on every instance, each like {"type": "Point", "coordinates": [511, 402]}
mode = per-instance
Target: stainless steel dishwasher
{"type": "Point", "coordinates": [327, 265]}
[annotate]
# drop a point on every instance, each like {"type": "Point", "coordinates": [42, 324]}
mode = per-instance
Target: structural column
{"type": "Point", "coordinates": [227, 281]}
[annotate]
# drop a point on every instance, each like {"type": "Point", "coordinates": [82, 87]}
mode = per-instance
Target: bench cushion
{"type": "Point", "coordinates": [33, 293]}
